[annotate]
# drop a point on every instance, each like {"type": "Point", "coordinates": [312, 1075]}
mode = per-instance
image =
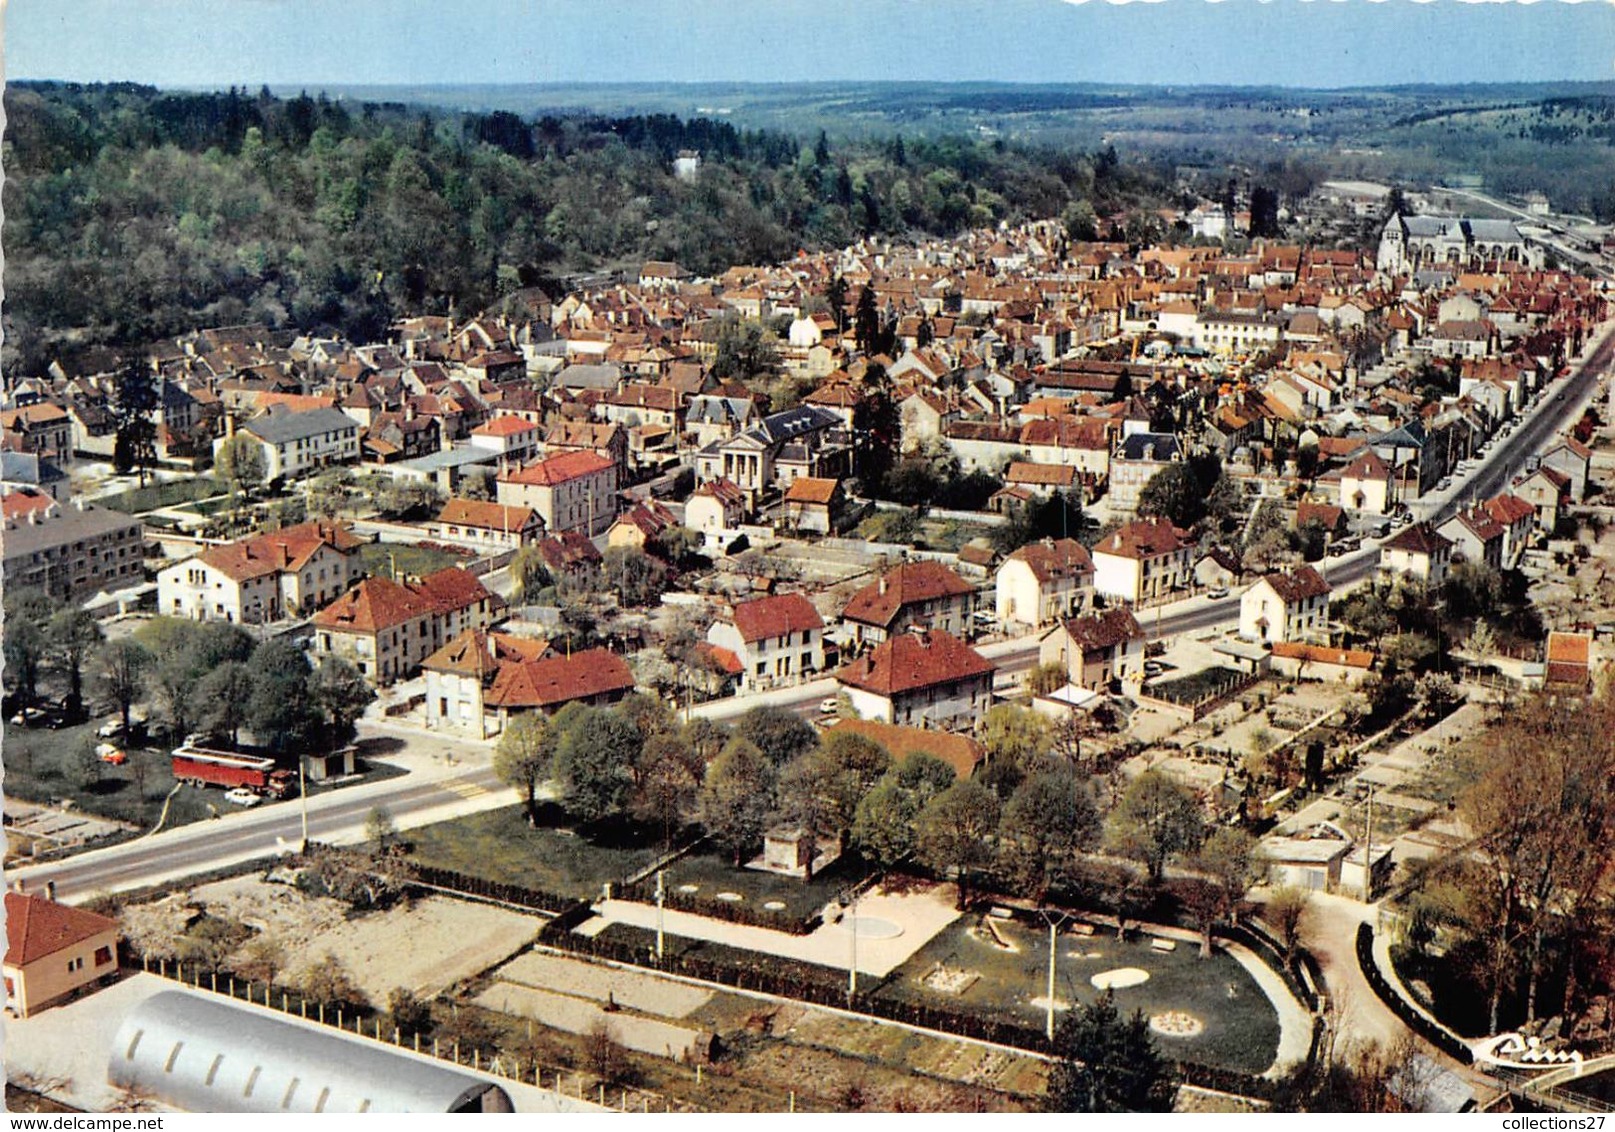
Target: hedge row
{"type": "Point", "coordinates": [535, 898]}
{"type": "Point", "coordinates": [1414, 1019]}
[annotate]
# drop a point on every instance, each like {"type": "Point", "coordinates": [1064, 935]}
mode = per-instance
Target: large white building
{"type": "Point", "coordinates": [574, 491]}
{"type": "Point", "coordinates": [1043, 582]}
{"type": "Point", "coordinates": [256, 580]}
{"type": "Point", "coordinates": [1282, 606]}
{"type": "Point", "coordinates": [1143, 561]}
{"type": "Point", "coordinates": [1413, 243]}
{"type": "Point", "coordinates": [775, 640]}
{"type": "Point", "coordinates": [293, 442]}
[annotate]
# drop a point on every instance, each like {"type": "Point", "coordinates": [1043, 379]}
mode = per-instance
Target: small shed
{"type": "Point", "coordinates": [333, 764]}
{"type": "Point", "coordinates": [787, 848]}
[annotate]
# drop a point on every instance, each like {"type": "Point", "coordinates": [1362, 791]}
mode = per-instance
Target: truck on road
{"type": "Point", "coordinates": [201, 766]}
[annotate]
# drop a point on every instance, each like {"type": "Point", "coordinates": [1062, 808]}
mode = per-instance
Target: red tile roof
{"type": "Point", "coordinates": [1509, 509]}
{"type": "Point", "coordinates": [911, 583]}
{"type": "Point", "coordinates": [568, 550]}
{"type": "Point", "coordinates": [486, 515]}
{"type": "Point", "coordinates": [807, 489]}
{"type": "Point", "coordinates": [1103, 630]}
{"type": "Point", "coordinates": [559, 680]}
{"type": "Point", "coordinates": [1420, 538]}
{"type": "Point", "coordinates": [775, 616]}
{"type": "Point", "coordinates": [1368, 466]}
{"type": "Point", "coordinates": [19, 503]}
{"type": "Point", "coordinates": [376, 604]}
{"type": "Point", "coordinates": [478, 653]}
{"type": "Point", "coordinates": [908, 662]}
{"type": "Point", "coordinates": [560, 469]}
{"type": "Point", "coordinates": [1320, 654]}
{"type": "Point", "coordinates": [960, 752]}
{"type": "Point", "coordinates": [36, 927]}
{"type": "Point", "coordinates": [1297, 585]}
{"type": "Point", "coordinates": [287, 549]}
{"type": "Point", "coordinates": [504, 426]}
{"type": "Point", "coordinates": [1148, 538]}
{"type": "Point", "coordinates": [1041, 475]}
{"type": "Point", "coordinates": [1055, 558]}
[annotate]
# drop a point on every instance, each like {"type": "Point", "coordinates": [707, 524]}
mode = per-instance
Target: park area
{"type": "Point", "coordinates": [708, 882]}
{"type": "Point", "coordinates": [499, 846]}
{"type": "Point", "coordinates": [1204, 1010]}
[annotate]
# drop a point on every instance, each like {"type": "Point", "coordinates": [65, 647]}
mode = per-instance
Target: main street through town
{"type": "Point", "coordinates": [445, 780]}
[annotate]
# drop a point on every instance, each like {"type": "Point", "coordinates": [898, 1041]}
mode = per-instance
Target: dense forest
{"type": "Point", "coordinates": [133, 213]}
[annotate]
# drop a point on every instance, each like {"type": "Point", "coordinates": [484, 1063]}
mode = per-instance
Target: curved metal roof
{"type": "Point", "coordinates": [202, 1054]}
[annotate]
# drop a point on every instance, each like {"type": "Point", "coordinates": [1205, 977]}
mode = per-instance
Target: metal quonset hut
{"type": "Point", "coordinates": [202, 1055]}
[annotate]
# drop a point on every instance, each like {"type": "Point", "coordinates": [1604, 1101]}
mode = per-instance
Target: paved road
{"type": "Point", "coordinates": [427, 794]}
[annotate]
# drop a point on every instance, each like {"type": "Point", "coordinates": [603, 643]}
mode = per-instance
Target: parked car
{"type": "Point", "coordinates": [830, 705]}
{"type": "Point", "coordinates": [110, 728]}
{"type": "Point", "coordinates": [241, 796]}
{"type": "Point", "coordinates": [1445, 483]}
{"type": "Point", "coordinates": [111, 753]}
{"type": "Point", "coordinates": [1217, 593]}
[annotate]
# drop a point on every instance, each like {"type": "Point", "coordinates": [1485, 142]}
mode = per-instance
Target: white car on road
{"type": "Point", "coordinates": [241, 796]}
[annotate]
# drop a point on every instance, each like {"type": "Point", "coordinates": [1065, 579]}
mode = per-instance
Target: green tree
{"type": "Point", "coordinates": [737, 797]}
{"type": "Point", "coordinates": [411, 1015]}
{"type": "Point", "coordinates": [667, 779]}
{"type": "Point", "coordinates": [1016, 742]}
{"type": "Point", "coordinates": [328, 983]}
{"type": "Point", "coordinates": [523, 756]}
{"type": "Point", "coordinates": [781, 735]}
{"type": "Point", "coordinates": [594, 762]}
{"type": "Point", "coordinates": [1157, 819]}
{"type": "Point", "coordinates": [222, 699]}
{"type": "Point", "coordinates": [1105, 1063]}
{"type": "Point", "coordinates": [240, 463]}
{"type": "Point", "coordinates": [1048, 820]}
{"type": "Point", "coordinates": [746, 351]}
{"type": "Point", "coordinates": [380, 829]}
{"type": "Point", "coordinates": [1226, 864]}
{"type": "Point", "coordinates": [71, 633]}
{"type": "Point", "coordinates": [955, 830]}
{"type": "Point", "coordinates": [26, 640]}
{"type": "Point", "coordinates": [120, 675]}
{"type": "Point", "coordinates": [283, 710]}
{"type": "Point", "coordinates": [883, 828]}
{"type": "Point", "coordinates": [341, 694]}
{"type": "Point", "coordinates": [1173, 494]}
{"type": "Point", "coordinates": [1285, 912]}
{"type": "Point", "coordinates": [636, 577]}
{"type": "Point", "coordinates": [134, 402]}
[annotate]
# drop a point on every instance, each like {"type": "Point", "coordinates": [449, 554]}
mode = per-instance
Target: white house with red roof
{"type": "Point", "coordinates": [509, 437]}
{"type": "Point", "coordinates": [572, 491]}
{"type": "Point", "coordinates": [1096, 649]}
{"type": "Point", "coordinates": [1367, 485]}
{"type": "Point", "coordinates": [264, 578]}
{"type": "Point", "coordinates": [54, 951]}
{"type": "Point", "coordinates": [1517, 518]}
{"type": "Point", "coordinates": [1573, 460]}
{"type": "Point", "coordinates": [1143, 561]}
{"type": "Point", "coordinates": [776, 640]}
{"type": "Point", "coordinates": [1043, 582]}
{"type": "Point", "coordinates": [480, 524]}
{"type": "Point", "coordinates": [919, 594]}
{"type": "Point", "coordinates": [715, 511]}
{"type": "Point", "coordinates": [387, 628]}
{"type": "Point", "coordinates": [477, 681]}
{"type": "Point", "coordinates": [923, 678]}
{"type": "Point", "coordinates": [1285, 606]}
{"type": "Point", "coordinates": [1417, 552]}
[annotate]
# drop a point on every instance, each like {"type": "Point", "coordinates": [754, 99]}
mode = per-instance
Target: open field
{"type": "Point", "coordinates": [500, 846]}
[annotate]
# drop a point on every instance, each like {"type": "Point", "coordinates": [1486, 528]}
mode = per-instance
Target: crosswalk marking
{"type": "Point", "coordinates": [465, 789]}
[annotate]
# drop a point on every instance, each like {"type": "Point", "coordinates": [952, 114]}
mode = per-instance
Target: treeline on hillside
{"type": "Point", "coordinates": [132, 213]}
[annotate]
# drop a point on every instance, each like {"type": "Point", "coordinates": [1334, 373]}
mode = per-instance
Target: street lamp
{"type": "Point", "coordinates": [1054, 920]}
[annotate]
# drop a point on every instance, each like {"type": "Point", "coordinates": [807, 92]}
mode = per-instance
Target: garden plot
{"type": "Point", "coordinates": [580, 1016]}
{"type": "Point", "coordinates": [644, 993]}
{"type": "Point", "coordinates": [444, 940]}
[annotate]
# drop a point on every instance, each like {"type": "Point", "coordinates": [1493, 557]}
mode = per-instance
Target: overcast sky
{"type": "Point", "coordinates": [1316, 43]}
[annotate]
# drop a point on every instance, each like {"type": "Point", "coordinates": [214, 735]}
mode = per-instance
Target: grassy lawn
{"type": "Point", "coordinates": [500, 846]}
{"type": "Point", "coordinates": [712, 873]}
{"type": "Point", "coordinates": [139, 499]}
{"type": "Point", "coordinates": [42, 766]}
{"type": "Point", "coordinates": [951, 534]}
{"type": "Point", "coordinates": [379, 559]}
{"type": "Point", "coordinates": [1241, 1028]}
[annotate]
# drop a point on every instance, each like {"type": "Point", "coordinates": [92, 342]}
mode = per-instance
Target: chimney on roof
{"type": "Point", "coordinates": [883, 585]}
{"type": "Point", "coordinates": [285, 556]}
{"type": "Point", "coordinates": [229, 425]}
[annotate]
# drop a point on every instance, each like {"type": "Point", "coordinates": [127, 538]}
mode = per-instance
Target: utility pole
{"type": "Point", "coordinates": [852, 968]}
{"type": "Point", "coordinates": [302, 798]}
{"type": "Point", "coordinates": [1054, 920]}
{"type": "Point", "coordinates": [1368, 851]}
{"type": "Point", "coordinates": [660, 894]}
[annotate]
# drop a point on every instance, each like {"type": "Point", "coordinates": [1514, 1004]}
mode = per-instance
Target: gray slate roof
{"type": "Point", "coordinates": [282, 427]}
